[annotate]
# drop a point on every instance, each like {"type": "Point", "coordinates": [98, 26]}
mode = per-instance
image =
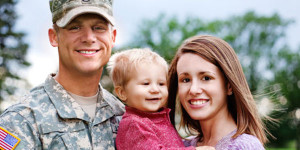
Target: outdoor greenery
{"type": "Point", "coordinates": [13, 49]}
{"type": "Point", "coordinates": [272, 68]}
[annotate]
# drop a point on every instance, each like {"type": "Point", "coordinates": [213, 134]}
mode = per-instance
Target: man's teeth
{"type": "Point", "coordinates": [198, 102]}
{"type": "Point", "coordinates": [87, 52]}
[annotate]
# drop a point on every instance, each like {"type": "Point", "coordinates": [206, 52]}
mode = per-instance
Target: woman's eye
{"type": "Point", "coordinates": [206, 78]}
{"type": "Point", "coordinates": [145, 83]}
{"type": "Point", "coordinates": [185, 80]}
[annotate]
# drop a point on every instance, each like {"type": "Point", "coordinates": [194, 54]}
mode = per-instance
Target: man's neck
{"type": "Point", "coordinates": [79, 84]}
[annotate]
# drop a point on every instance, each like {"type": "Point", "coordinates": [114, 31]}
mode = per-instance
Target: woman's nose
{"type": "Point", "coordinates": [196, 88]}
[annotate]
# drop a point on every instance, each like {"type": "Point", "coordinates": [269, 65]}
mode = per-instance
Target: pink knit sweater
{"type": "Point", "coordinates": [144, 131]}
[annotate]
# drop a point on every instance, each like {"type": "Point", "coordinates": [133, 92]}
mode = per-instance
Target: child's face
{"type": "Point", "coordinates": [147, 88]}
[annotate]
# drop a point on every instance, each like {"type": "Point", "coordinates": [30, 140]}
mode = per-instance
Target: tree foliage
{"type": "Point", "coordinates": [260, 42]}
{"type": "Point", "coordinates": [12, 48]}
{"type": "Point", "coordinates": [287, 78]}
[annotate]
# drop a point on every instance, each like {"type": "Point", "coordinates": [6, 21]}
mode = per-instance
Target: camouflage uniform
{"type": "Point", "coordinates": [48, 118]}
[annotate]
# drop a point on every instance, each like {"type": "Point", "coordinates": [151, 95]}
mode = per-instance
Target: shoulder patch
{"type": "Point", "coordinates": [7, 140]}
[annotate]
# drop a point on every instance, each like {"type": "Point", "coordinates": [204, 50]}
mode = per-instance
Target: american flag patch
{"type": "Point", "coordinates": [7, 140]}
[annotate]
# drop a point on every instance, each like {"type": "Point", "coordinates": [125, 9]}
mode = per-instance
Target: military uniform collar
{"type": "Point", "coordinates": [68, 108]}
{"type": "Point", "coordinates": [65, 105]}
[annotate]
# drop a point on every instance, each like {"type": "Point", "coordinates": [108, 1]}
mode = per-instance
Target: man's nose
{"type": "Point", "coordinates": [88, 36]}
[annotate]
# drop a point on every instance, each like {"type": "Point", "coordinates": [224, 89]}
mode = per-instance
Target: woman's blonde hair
{"type": "Point", "coordinates": [121, 64]}
{"type": "Point", "coordinates": [241, 104]}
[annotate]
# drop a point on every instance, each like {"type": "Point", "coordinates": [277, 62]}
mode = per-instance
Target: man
{"type": "Point", "coordinates": [70, 110]}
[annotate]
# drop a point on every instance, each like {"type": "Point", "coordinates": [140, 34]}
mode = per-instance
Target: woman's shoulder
{"type": "Point", "coordinates": [248, 139]}
{"type": "Point", "coordinates": [190, 141]}
{"type": "Point", "coordinates": [243, 141]}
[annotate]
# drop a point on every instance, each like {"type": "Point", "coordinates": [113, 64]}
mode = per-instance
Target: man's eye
{"type": "Point", "coordinates": [99, 28]}
{"type": "Point", "coordinates": [74, 28]}
{"type": "Point", "coordinates": [146, 83]}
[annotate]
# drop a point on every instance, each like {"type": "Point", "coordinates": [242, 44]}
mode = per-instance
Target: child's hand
{"type": "Point", "coordinates": [205, 148]}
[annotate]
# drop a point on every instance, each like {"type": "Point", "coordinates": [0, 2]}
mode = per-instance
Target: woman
{"type": "Point", "coordinates": [216, 103]}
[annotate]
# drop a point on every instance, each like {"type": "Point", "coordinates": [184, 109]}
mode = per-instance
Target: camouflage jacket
{"type": "Point", "coordinates": [48, 118]}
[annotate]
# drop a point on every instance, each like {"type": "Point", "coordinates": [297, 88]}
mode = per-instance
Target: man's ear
{"type": "Point", "coordinates": [114, 34]}
{"type": "Point", "coordinates": [120, 91]}
{"type": "Point", "coordinates": [229, 89]}
{"type": "Point", "coordinates": [53, 37]}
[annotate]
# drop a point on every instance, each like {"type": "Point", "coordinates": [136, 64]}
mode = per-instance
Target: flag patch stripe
{"type": "Point", "coordinates": [7, 140]}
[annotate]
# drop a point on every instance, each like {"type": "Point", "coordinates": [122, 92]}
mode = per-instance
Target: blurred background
{"type": "Point", "coordinates": [265, 34]}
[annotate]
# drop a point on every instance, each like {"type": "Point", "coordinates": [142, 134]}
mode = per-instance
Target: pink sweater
{"type": "Point", "coordinates": [144, 131]}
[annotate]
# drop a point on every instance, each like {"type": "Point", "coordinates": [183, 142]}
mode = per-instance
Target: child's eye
{"type": "Point", "coordinates": [146, 83]}
{"type": "Point", "coordinates": [162, 84]}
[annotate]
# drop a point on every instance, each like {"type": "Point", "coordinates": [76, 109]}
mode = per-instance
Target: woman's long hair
{"type": "Point", "coordinates": [241, 104]}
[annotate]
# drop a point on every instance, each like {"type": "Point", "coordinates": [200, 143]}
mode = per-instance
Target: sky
{"type": "Point", "coordinates": [35, 20]}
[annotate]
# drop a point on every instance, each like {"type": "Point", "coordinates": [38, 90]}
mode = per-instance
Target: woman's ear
{"type": "Point", "coordinates": [229, 89]}
{"type": "Point", "coordinates": [120, 91]}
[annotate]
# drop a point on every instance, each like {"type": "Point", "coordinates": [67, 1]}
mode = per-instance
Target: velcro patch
{"type": "Point", "coordinates": [7, 140]}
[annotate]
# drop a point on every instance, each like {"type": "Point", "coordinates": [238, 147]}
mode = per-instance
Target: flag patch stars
{"type": "Point", "coordinates": [7, 140]}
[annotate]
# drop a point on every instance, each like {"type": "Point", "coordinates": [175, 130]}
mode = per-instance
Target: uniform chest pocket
{"type": "Point", "coordinates": [71, 136]}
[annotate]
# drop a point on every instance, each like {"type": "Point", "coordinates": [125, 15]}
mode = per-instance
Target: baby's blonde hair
{"type": "Point", "coordinates": [122, 63]}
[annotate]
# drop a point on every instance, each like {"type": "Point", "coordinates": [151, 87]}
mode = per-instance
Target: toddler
{"type": "Point", "coordinates": [140, 81]}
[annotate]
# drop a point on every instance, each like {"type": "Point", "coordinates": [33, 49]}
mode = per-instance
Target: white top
{"type": "Point", "coordinates": [88, 104]}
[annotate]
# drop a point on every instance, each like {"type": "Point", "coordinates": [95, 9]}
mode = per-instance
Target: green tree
{"type": "Point", "coordinates": [259, 42]}
{"type": "Point", "coordinates": [12, 48]}
{"type": "Point", "coordinates": [287, 77]}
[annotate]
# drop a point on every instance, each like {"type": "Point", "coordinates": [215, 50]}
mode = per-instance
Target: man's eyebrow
{"type": "Point", "coordinates": [74, 22]}
{"type": "Point", "coordinates": [102, 21]}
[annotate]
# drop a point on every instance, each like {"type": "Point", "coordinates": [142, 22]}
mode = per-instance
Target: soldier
{"type": "Point", "coordinates": [70, 110]}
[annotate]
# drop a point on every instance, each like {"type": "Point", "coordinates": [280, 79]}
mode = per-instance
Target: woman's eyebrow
{"type": "Point", "coordinates": [207, 72]}
{"type": "Point", "coordinates": [183, 73]}
{"type": "Point", "coordinates": [200, 73]}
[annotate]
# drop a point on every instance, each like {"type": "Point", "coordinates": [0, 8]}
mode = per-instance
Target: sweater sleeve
{"type": "Point", "coordinates": [246, 142]}
{"type": "Point", "coordinates": [139, 135]}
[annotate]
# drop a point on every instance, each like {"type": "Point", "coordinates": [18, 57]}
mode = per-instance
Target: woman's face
{"type": "Point", "coordinates": [202, 89]}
